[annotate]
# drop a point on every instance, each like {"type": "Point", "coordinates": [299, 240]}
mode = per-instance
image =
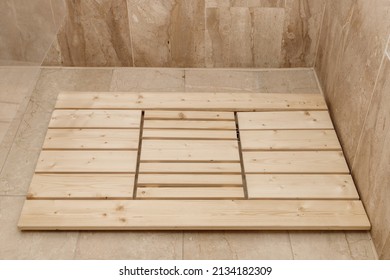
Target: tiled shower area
{"type": "Point", "coordinates": [337, 49]}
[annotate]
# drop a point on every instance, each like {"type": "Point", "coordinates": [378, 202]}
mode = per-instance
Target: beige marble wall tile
{"type": "Point", "coordinates": [233, 245]}
{"type": "Point", "coordinates": [245, 3]}
{"type": "Point", "coordinates": [167, 33]}
{"type": "Point", "coordinates": [301, 31]}
{"type": "Point", "coordinates": [319, 245]}
{"type": "Point", "coordinates": [372, 163]}
{"type": "Point", "coordinates": [133, 245]}
{"type": "Point", "coordinates": [15, 244]}
{"type": "Point", "coordinates": [95, 33]}
{"type": "Point", "coordinates": [59, 11]}
{"type": "Point", "coordinates": [17, 171]}
{"type": "Point", "coordinates": [360, 245]}
{"type": "Point", "coordinates": [152, 80]}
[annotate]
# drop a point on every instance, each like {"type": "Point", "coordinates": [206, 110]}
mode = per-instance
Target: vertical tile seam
{"type": "Point", "coordinates": [319, 36]}
{"type": "Point", "coordinates": [357, 150]}
{"type": "Point", "coordinates": [19, 31]}
{"type": "Point", "coordinates": [130, 32]}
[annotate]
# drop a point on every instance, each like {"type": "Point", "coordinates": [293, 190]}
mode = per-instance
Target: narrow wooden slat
{"type": "Point", "coordinates": [185, 115]}
{"type": "Point", "coordinates": [75, 186]}
{"type": "Point", "coordinates": [300, 186]}
{"type": "Point", "coordinates": [289, 140]}
{"type": "Point", "coordinates": [193, 214]}
{"type": "Point", "coordinates": [191, 150]}
{"type": "Point", "coordinates": [190, 193]}
{"type": "Point", "coordinates": [285, 120]}
{"type": "Point", "coordinates": [188, 134]}
{"type": "Point", "coordinates": [295, 162]}
{"type": "Point", "coordinates": [87, 161]}
{"type": "Point", "coordinates": [191, 167]}
{"type": "Point", "coordinates": [193, 101]}
{"type": "Point", "coordinates": [185, 124]}
{"type": "Point", "coordinates": [157, 180]}
{"type": "Point", "coordinates": [95, 119]}
{"type": "Point", "coordinates": [91, 139]}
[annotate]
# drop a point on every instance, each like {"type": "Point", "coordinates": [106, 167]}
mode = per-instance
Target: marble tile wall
{"type": "Point", "coordinates": [28, 29]}
{"type": "Point", "coordinates": [354, 69]}
{"type": "Point", "coordinates": [186, 33]}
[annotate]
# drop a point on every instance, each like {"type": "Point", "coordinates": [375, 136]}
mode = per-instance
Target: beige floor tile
{"type": "Point", "coordinates": [218, 80]}
{"type": "Point", "coordinates": [15, 244]}
{"type": "Point", "coordinates": [236, 245]}
{"type": "Point", "coordinates": [17, 171]}
{"type": "Point", "coordinates": [130, 245]}
{"type": "Point", "coordinates": [360, 245]}
{"type": "Point", "coordinates": [288, 81]}
{"type": "Point", "coordinates": [147, 80]}
{"type": "Point", "coordinates": [319, 245]}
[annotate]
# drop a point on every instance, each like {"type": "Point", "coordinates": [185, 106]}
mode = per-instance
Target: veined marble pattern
{"type": "Point", "coordinates": [353, 67]}
{"type": "Point", "coordinates": [186, 33]}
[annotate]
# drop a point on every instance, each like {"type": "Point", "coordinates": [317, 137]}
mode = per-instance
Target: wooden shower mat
{"type": "Point", "coordinates": [131, 161]}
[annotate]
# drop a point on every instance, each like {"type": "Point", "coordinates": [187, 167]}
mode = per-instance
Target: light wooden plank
{"type": "Point", "coordinates": [77, 186]}
{"type": "Point", "coordinates": [186, 124]}
{"type": "Point", "coordinates": [87, 161]}
{"type": "Point", "coordinates": [295, 162]}
{"type": "Point", "coordinates": [188, 134]}
{"type": "Point", "coordinates": [189, 150]}
{"type": "Point", "coordinates": [193, 215]}
{"type": "Point", "coordinates": [194, 101]}
{"type": "Point", "coordinates": [192, 115]}
{"type": "Point", "coordinates": [285, 120]}
{"type": "Point", "coordinates": [190, 167]}
{"type": "Point", "coordinates": [190, 193]}
{"type": "Point", "coordinates": [157, 180]}
{"type": "Point", "coordinates": [95, 119]}
{"type": "Point", "coordinates": [289, 140]}
{"type": "Point", "coordinates": [317, 186]}
{"type": "Point", "coordinates": [91, 139]}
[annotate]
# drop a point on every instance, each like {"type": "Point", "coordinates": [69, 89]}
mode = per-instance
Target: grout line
{"type": "Point", "coordinates": [372, 245]}
{"type": "Point", "coordinates": [291, 246]}
{"type": "Point", "coordinates": [141, 129]}
{"type": "Point", "coordinates": [319, 83]}
{"type": "Point", "coordinates": [349, 247]}
{"type": "Point", "coordinates": [244, 183]}
{"type": "Point", "coordinates": [368, 110]}
{"type": "Point", "coordinates": [131, 33]}
{"type": "Point", "coordinates": [319, 35]}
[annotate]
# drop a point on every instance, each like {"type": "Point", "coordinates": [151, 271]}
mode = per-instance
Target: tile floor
{"type": "Point", "coordinates": [27, 97]}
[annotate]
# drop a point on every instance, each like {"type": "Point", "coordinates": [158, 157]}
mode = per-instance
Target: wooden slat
{"type": "Point", "coordinates": [190, 193]}
{"type": "Point", "coordinates": [157, 180]}
{"type": "Point", "coordinates": [285, 120]}
{"type": "Point", "coordinates": [193, 214]}
{"type": "Point", "coordinates": [75, 186]}
{"type": "Point", "coordinates": [188, 134]}
{"type": "Point", "coordinates": [289, 140]}
{"type": "Point", "coordinates": [189, 150]}
{"type": "Point", "coordinates": [95, 119]}
{"type": "Point", "coordinates": [191, 167]}
{"type": "Point", "coordinates": [91, 139]}
{"type": "Point", "coordinates": [295, 162]}
{"type": "Point", "coordinates": [185, 115]}
{"type": "Point", "coordinates": [281, 186]}
{"type": "Point", "coordinates": [194, 101]}
{"type": "Point", "coordinates": [87, 161]}
{"type": "Point", "coordinates": [185, 124]}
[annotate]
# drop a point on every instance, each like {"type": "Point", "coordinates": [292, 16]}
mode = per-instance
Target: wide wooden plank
{"type": "Point", "coordinates": [157, 180]}
{"type": "Point", "coordinates": [189, 115]}
{"type": "Point", "coordinates": [87, 161]}
{"type": "Point", "coordinates": [189, 150]}
{"type": "Point", "coordinates": [189, 134]}
{"type": "Point", "coordinates": [190, 167]}
{"type": "Point", "coordinates": [295, 162]}
{"type": "Point", "coordinates": [189, 124]}
{"type": "Point", "coordinates": [285, 120]}
{"type": "Point", "coordinates": [193, 215]}
{"type": "Point", "coordinates": [95, 119]}
{"type": "Point", "coordinates": [300, 186]}
{"type": "Point", "coordinates": [77, 186]}
{"type": "Point", "coordinates": [190, 193]}
{"type": "Point", "coordinates": [195, 101]}
{"type": "Point", "coordinates": [289, 140]}
{"type": "Point", "coordinates": [91, 139]}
